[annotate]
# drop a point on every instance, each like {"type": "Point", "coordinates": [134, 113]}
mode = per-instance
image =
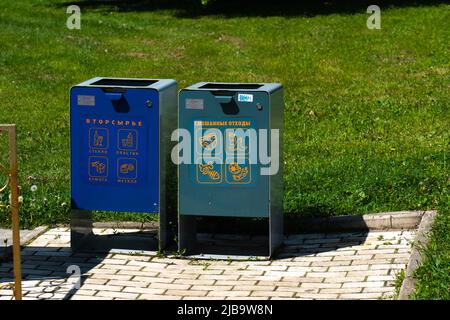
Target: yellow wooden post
{"type": "Point", "coordinates": [11, 129]}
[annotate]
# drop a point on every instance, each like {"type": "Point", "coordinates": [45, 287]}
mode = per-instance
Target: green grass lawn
{"type": "Point", "coordinates": [367, 111]}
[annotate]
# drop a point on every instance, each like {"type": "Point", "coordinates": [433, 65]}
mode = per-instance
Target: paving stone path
{"type": "Point", "coordinates": [311, 266]}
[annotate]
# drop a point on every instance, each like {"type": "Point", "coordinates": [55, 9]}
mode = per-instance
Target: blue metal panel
{"type": "Point", "coordinates": [114, 149]}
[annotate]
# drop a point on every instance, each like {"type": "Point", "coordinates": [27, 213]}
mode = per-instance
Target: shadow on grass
{"type": "Point", "coordinates": [237, 8]}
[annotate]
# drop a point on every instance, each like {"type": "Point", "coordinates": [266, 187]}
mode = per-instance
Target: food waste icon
{"type": "Point", "coordinates": [237, 172]}
{"type": "Point", "coordinates": [209, 141]}
{"type": "Point", "coordinates": [208, 170]}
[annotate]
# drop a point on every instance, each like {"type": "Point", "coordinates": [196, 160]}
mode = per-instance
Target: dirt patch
{"type": "Point", "coordinates": [237, 42]}
{"type": "Point", "coordinates": [177, 53]}
{"type": "Point", "coordinates": [149, 42]}
{"type": "Point", "coordinates": [140, 55]}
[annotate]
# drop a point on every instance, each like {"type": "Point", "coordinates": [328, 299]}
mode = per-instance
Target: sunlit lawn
{"type": "Point", "coordinates": [367, 111]}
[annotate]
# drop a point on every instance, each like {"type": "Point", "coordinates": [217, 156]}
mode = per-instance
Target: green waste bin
{"type": "Point", "coordinates": [233, 128]}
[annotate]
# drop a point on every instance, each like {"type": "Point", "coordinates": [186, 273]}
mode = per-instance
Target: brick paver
{"type": "Point", "coordinates": [311, 266]}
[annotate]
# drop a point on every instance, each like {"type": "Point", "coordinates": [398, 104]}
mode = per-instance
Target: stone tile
{"type": "Point", "coordinates": [143, 290]}
{"type": "Point", "coordinates": [193, 293]}
{"type": "Point", "coordinates": [159, 297]}
{"type": "Point", "coordinates": [115, 294]}
{"type": "Point", "coordinates": [315, 296]}
{"type": "Point", "coordinates": [233, 293]}
{"type": "Point", "coordinates": [170, 286]}
{"type": "Point", "coordinates": [270, 294]}
{"type": "Point", "coordinates": [200, 282]}
{"type": "Point", "coordinates": [363, 284]}
{"type": "Point", "coordinates": [321, 285]}
{"type": "Point", "coordinates": [340, 290]}
{"type": "Point", "coordinates": [360, 296]}
{"type": "Point", "coordinates": [344, 279]}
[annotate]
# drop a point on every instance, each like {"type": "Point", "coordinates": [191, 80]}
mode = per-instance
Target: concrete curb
{"type": "Point", "coordinates": [398, 220]}
{"type": "Point", "coordinates": [125, 225]}
{"type": "Point", "coordinates": [29, 237]}
{"type": "Point", "coordinates": [26, 239]}
{"type": "Point", "coordinates": [415, 260]}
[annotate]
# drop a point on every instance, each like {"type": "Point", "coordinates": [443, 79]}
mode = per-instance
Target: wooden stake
{"type": "Point", "coordinates": [11, 129]}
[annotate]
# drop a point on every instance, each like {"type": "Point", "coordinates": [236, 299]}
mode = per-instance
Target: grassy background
{"type": "Point", "coordinates": [367, 111]}
{"type": "Point", "coordinates": [433, 276]}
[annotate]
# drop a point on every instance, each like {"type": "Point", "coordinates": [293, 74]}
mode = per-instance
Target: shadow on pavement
{"type": "Point", "coordinates": [55, 265]}
{"type": "Point", "coordinates": [47, 274]}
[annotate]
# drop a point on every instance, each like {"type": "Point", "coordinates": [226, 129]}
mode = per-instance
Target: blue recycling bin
{"type": "Point", "coordinates": [120, 155]}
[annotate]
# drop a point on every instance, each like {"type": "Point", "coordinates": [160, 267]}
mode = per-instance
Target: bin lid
{"type": "Point", "coordinates": [111, 82]}
{"type": "Point", "coordinates": [230, 86]}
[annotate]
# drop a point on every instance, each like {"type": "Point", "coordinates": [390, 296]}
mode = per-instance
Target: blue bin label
{"type": "Point", "coordinates": [243, 97]}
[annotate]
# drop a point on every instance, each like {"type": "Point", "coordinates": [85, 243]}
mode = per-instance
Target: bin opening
{"type": "Point", "coordinates": [124, 82]}
{"type": "Point", "coordinates": [227, 237]}
{"type": "Point", "coordinates": [232, 225]}
{"type": "Point", "coordinates": [232, 86]}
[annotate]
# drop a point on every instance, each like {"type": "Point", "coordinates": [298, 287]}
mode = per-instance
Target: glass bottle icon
{"type": "Point", "coordinates": [98, 139]}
